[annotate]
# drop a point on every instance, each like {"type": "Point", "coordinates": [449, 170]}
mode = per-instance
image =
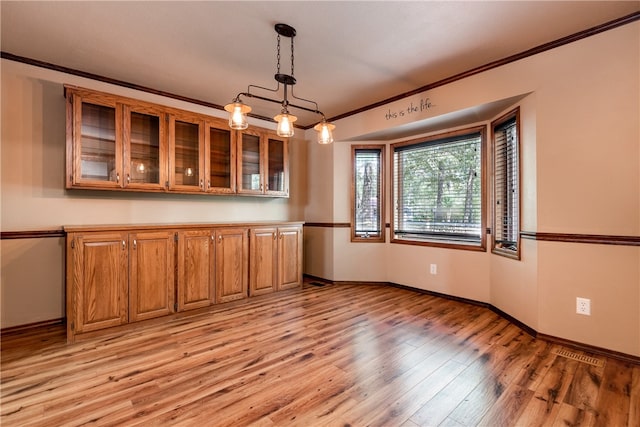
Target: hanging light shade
{"type": "Point", "coordinates": [325, 134]}
{"type": "Point", "coordinates": [238, 111]}
{"type": "Point", "coordinates": [285, 123]}
{"type": "Point", "coordinates": [238, 115]}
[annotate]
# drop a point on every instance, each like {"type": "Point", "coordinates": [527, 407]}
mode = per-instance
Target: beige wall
{"type": "Point", "coordinates": [33, 195]}
{"type": "Point", "coordinates": [580, 142]}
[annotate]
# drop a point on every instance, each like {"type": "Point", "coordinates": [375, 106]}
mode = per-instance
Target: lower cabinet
{"type": "Point", "coordinates": [195, 286]}
{"type": "Point", "coordinates": [118, 276]}
{"type": "Point", "coordinates": [97, 280]}
{"type": "Point", "coordinates": [276, 259]}
{"type": "Point", "coordinates": [232, 264]}
{"type": "Point", "coordinates": [151, 274]}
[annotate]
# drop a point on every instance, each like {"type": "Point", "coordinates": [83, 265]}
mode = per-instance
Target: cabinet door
{"type": "Point", "coordinates": [220, 145]}
{"type": "Point", "coordinates": [290, 257]}
{"type": "Point", "coordinates": [99, 281]}
{"type": "Point", "coordinates": [232, 264]}
{"type": "Point", "coordinates": [195, 269]}
{"type": "Point", "coordinates": [186, 159]}
{"type": "Point", "coordinates": [277, 169]}
{"type": "Point", "coordinates": [94, 141]}
{"type": "Point", "coordinates": [263, 269]}
{"type": "Point", "coordinates": [145, 148]}
{"type": "Point", "coordinates": [151, 274]}
{"type": "Point", "coordinates": [250, 163]}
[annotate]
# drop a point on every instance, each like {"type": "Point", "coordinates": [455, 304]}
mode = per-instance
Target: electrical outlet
{"type": "Point", "coordinates": [433, 269]}
{"type": "Point", "coordinates": [583, 306]}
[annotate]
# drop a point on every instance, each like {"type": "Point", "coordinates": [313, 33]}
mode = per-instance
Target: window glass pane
{"type": "Point", "coordinates": [276, 165]}
{"type": "Point", "coordinates": [98, 143]}
{"type": "Point", "coordinates": [367, 176]}
{"type": "Point", "coordinates": [220, 158]}
{"type": "Point", "coordinates": [145, 148]}
{"type": "Point", "coordinates": [187, 154]}
{"type": "Point", "coordinates": [438, 190]}
{"type": "Point", "coordinates": [250, 162]}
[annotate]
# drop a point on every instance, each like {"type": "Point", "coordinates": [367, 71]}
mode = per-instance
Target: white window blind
{"type": "Point", "coordinates": [506, 185]}
{"type": "Point", "coordinates": [438, 189]}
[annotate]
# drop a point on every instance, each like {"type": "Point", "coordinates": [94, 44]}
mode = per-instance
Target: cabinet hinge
{"type": "Point", "coordinates": [73, 326]}
{"type": "Point", "coordinates": [73, 243]}
{"type": "Point", "coordinates": [175, 306]}
{"type": "Point", "coordinates": [166, 184]}
{"type": "Point", "coordinates": [175, 237]}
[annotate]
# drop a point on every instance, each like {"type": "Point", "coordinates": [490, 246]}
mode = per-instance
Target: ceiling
{"type": "Point", "coordinates": [348, 54]}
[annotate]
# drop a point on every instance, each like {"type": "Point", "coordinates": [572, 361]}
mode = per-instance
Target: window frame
{"type": "Point", "coordinates": [379, 237]}
{"type": "Point", "coordinates": [444, 138]}
{"type": "Point", "coordinates": [511, 115]}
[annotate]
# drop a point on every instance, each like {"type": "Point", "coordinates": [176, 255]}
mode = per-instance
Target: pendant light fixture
{"type": "Point", "coordinates": [238, 111]}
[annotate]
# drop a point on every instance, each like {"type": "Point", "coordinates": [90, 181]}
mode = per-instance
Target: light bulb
{"type": "Point", "coordinates": [238, 115]}
{"type": "Point", "coordinates": [285, 124]}
{"type": "Point", "coordinates": [140, 168]}
{"type": "Point", "coordinates": [325, 136]}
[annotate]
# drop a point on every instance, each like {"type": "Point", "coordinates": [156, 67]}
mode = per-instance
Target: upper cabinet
{"type": "Point", "coordinates": [263, 164]}
{"type": "Point", "coordinates": [118, 143]}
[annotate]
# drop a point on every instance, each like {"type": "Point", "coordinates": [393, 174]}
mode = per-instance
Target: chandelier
{"type": "Point", "coordinates": [238, 111]}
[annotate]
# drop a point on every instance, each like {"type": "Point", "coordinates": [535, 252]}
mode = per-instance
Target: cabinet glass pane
{"type": "Point", "coordinates": [145, 148]}
{"type": "Point", "coordinates": [250, 162]}
{"type": "Point", "coordinates": [220, 158]}
{"type": "Point", "coordinates": [98, 143]}
{"type": "Point", "coordinates": [186, 153]}
{"type": "Point", "coordinates": [276, 165]}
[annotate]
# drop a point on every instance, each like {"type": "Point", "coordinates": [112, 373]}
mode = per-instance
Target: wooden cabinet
{"type": "Point", "coordinates": [276, 259]}
{"type": "Point", "coordinates": [195, 284]}
{"type": "Point", "coordinates": [123, 274]}
{"type": "Point", "coordinates": [114, 145]}
{"type": "Point", "coordinates": [289, 257]}
{"type": "Point", "coordinates": [263, 268]}
{"type": "Point", "coordinates": [118, 143]}
{"type": "Point", "coordinates": [232, 263]}
{"type": "Point", "coordinates": [97, 277]}
{"type": "Point", "coordinates": [220, 159]}
{"type": "Point", "coordinates": [151, 274]}
{"type": "Point", "coordinates": [263, 163]}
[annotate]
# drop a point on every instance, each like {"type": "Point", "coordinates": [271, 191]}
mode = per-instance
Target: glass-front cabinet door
{"type": "Point", "coordinates": [250, 169]}
{"type": "Point", "coordinates": [145, 165]}
{"type": "Point", "coordinates": [277, 166]}
{"type": "Point", "coordinates": [95, 157]}
{"type": "Point", "coordinates": [221, 158]}
{"type": "Point", "coordinates": [186, 161]}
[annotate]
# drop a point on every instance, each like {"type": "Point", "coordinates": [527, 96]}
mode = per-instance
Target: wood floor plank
{"type": "Point", "coordinates": [334, 355]}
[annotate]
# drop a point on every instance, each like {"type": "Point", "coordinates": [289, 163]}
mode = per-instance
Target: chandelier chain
{"type": "Point", "coordinates": [292, 57]}
{"type": "Point", "coordinates": [278, 55]}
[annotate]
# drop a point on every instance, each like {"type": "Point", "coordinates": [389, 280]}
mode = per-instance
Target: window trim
{"type": "Point", "coordinates": [514, 113]}
{"type": "Point", "coordinates": [381, 237]}
{"type": "Point", "coordinates": [441, 243]}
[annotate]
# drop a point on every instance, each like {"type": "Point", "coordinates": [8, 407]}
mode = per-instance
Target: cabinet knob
{"type": "Point", "coordinates": [208, 184]}
{"type": "Point", "coordinates": [118, 177]}
{"type": "Point", "coordinates": [202, 184]}
{"type": "Point", "coordinates": [124, 245]}
{"type": "Point", "coordinates": [135, 244]}
{"type": "Point", "coordinates": [128, 179]}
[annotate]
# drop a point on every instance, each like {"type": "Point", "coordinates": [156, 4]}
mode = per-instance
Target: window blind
{"type": "Point", "coordinates": [506, 185]}
{"type": "Point", "coordinates": [438, 189]}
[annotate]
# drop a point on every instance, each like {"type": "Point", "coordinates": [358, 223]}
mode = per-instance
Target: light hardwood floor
{"type": "Point", "coordinates": [334, 355]}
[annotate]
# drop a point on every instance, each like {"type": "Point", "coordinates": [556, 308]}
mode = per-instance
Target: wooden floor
{"type": "Point", "coordinates": [334, 355]}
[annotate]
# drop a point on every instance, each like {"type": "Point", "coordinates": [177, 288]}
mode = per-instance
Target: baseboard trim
{"type": "Point", "coordinates": [529, 330]}
{"type": "Point", "coordinates": [34, 325]}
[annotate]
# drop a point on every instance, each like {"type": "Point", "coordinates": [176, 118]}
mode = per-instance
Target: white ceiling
{"type": "Point", "coordinates": [348, 54]}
